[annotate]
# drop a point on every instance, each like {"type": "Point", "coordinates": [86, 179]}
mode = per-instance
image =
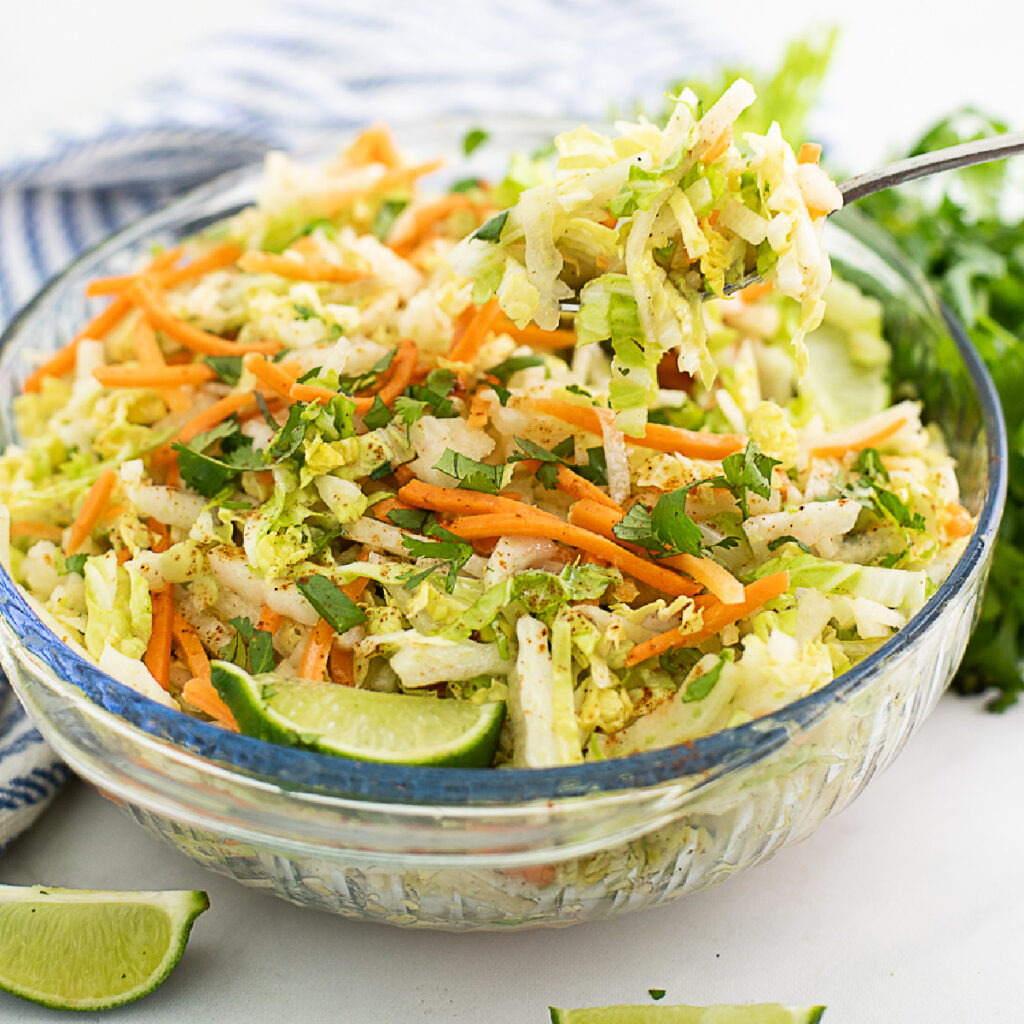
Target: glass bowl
{"type": "Point", "coordinates": [463, 848]}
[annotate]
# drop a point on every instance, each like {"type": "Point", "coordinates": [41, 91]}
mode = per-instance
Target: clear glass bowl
{"type": "Point", "coordinates": [461, 848]}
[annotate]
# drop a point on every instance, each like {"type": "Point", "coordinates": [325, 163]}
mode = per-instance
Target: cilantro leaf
{"type": "Point", "coordinates": [332, 603]}
{"type": "Point", "coordinates": [227, 368]}
{"type": "Point", "coordinates": [636, 527]}
{"type": "Point", "coordinates": [250, 648]}
{"type": "Point", "coordinates": [504, 370]}
{"type": "Point", "coordinates": [386, 216]}
{"type": "Point", "coordinates": [202, 473]}
{"type": "Point", "coordinates": [780, 541]}
{"type": "Point", "coordinates": [409, 518]}
{"type": "Point", "coordinates": [664, 530]}
{"type": "Point", "coordinates": [452, 552]}
{"type": "Point", "coordinates": [378, 415]}
{"type": "Point", "coordinates": [745, 472]}
{"type": "Point", "coordinates": [473, 475]}
{"type": "Point", "coordinates": [490, 231]}
{"type": "Point", "coordinates": [474, 139]}
{"type": "Point", "coordinates": [699, 688]}
{"type": "Point", "coordinates": [75, 563]}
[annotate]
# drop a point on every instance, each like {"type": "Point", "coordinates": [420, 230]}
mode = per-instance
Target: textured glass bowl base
{"type": "Point", "coordinates": [718, 828]}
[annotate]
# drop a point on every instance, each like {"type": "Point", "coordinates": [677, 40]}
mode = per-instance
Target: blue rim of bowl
{"type": "Point", "coordinates": [300, 770]}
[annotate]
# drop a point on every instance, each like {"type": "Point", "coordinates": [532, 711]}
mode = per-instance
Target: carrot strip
{"type": "Point", "coordinates": [191, 646]}
{"type": "Point", "coordinates": [402, 366]}
{"type": "Point", "coordinates": [810, 153]}
{"type": "Point", "coordinates": [425, 218]}
{"type": "Point", "coordinates": [308, 269]}
{"type": "Point", "coordinates": [576, 486]}
{"type": "Point", "coordinates": [316, 652]}
{"type": "Point", "coordinates": [185, 334]}
{"type": "Point", "coordinates": [222, 255]}
{"type": "Point", "coordinates": [158, 650]}
{"type": "Point", "coordinates": [214, 414]}
{"type": "Point", "coordinates": [374, 145]}
{"type": "Point", "coordinates": [536, 336]}
{"type": "Point", "coordinates": [31, 528]}
{"type": "Point", "coordinates": [379, 510]}
{"type": "Point", "coordinates": [718, 147]}
{"type": "Point", "coordinates": [161, 534]}
{"type": "Point", "coordinates": [756, 291]}
{"type": "Point", "coordinates": [89, 513]}
{"type": "Point", "coordinates": [340, 666]}
{"type": "Point", "coordinates": [706, 571]}
{"type": "Point", "coordinates": [855, 440]}
{"type": "Point", "coordinates": [472, 340]}
{"type": "Point", "coordinates": [116, 283]}
{"type": "Point", "coordinates": [463, 503]}
{"type": "Point", "coordinates": [504, 524]}
{"type": "Point", "coordinates": [659, 436]}
{"type": "Point", "coordinates": [63, 361]}
{"type": "Point", "coordinates": [479, 408]}
{"type": "Point", "coordinates": [390, 181]}
{"type": "Point", "coordinates": [716, 618]}
{"type": "Point", "coordinates": [271, 374]}
{"type": "Point", "coordinates": [956, 520]}
{"type": "Point", "coordinates": [270, 620]}
{"type": "Point", "coordinates": [153, 376]}
{"type": "Point", "coordinates": [200, 693]}
{"type": "Point", "coordinates": [147, 351]}
{"type": "Point", "coordinates": [162, 271]}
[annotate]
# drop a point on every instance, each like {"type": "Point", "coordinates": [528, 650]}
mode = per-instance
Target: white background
{"type": "Point", "coordinates": [905, 908]}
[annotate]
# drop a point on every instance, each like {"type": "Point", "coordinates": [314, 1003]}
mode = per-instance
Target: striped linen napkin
{"type": "Point", "coordinates": [299, 75]}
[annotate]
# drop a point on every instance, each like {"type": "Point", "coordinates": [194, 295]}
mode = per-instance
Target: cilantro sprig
{"type": "Point", "coordinates": [745, 473]}
{"type": "Point", "coordinates": [450, 551]}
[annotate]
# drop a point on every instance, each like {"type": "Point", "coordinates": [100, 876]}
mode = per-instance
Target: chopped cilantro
{"type": "Point", "coordinates": [465, 185]}
{"type": "Point", "coordinates": [656, 993]}
{"type": "Point", "coordinates": [504, 370]}
{"type": "Point", "coordinates": [452, 553]}
{"type": "Point", "coordinates": [473, 475]}
{"type": "Point", "coordinates": [227, 368]}
{"type": "Point", "coordinates": [746, 471]}
{"type": "Point", "coordinates": [381, 471]}
{"type": "Point", "coordinates": [386, 216]}
{"type": "Point", "coordinates": [250, 648]}
{"type": "Point", "coordinates": [409, 518]}
{"type": "Point", "coordinates": [490, 231]}
{"type": "Point", "coordinates": [474, 139]}
{"type": "Point", "coordinates": [332, 603]}
{"type": "Point", "coordinates": [780, 541]}
{"type": "Point", "coordinates": [378, 415]}
{"type": "Point", "coordinates": [664, 530]}
{"type": "Point", "coordinates": [75, 563]}
{"type": "Point", "coordinates": [304, 311]}
{"type": "Point", "coordinates": [699, 688]}
{"type": "Point", "coordinates": [575, 389]}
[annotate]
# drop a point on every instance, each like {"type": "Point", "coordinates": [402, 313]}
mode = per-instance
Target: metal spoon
{"type": "Point", "coordinates": [952, 157]}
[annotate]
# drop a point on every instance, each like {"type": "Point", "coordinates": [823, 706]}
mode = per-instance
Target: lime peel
{"type": "Point", "coordinates": [87, 949]}
{"type": "Point", "coordinates": [720, 1013]}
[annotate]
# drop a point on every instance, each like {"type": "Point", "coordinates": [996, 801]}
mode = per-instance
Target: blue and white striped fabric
{"type": "Point", "coordinates": [297, 76]}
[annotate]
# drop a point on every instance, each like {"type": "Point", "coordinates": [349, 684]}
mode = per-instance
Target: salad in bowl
{"type": "Point", "coordinates": [340, 471]}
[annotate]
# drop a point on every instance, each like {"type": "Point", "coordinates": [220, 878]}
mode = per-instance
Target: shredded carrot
{"type": "Point", "coordinates": [271, 374]}
{"type": "Point", "coordinates": [88, 515]}
{"type": "Point", "coordinates": [476, 333]}
{"type": "Point", "coordinates": [400, 373]}
{"type": "Point", "coordinates": [31, 528]}
{"type": "Point", "coordinates": [956, 520]}
{"type": "Point", "coordinates": [706, 571]}
{"type": "Point", "coordinates": [423, 219]}
{"type": "Point", "coordinates": [222, 255]}
{"type": "Point", "coordinates": [529, 524]}
{"type": "Point", "coordinates": [147, 351]}
{"type": "Point", "coordinates": [691, 443]}
{"type": "Point", "coordinates": [153, 376]}
{"type": "Point", "coordinates": [214, 414]}
{"type": "Point", "coordinates": [161, 535]}
{"type": "Point", "coordinates": [374, 145]}
{"type": "Point", "coordinates": [716, 617]}
{"type": "Point", "coordinates": [856, 438]}
{"type": "Point", "coordinates": [379, 510]}
{"type": "Point", "coordinates": [201, 693]}
{"type": "Point", "coordinates": [353, 590]}
{"type": "Point", "coordinates": [390, 181]}
{"type": "Point", "coordinates": [479, 408]}
{"type": "Point", "coordinates": [463, 503]}
{"type": "Point", "coordinates": [576, 486]}
{"type": "Point", "coordinates": [536, 336]}
{"type": "Point", "coordinates": [158, 650]}
{"type": "Point", "coordinates": [116, 283]}
{"type": "Point", "coordinates": [340, 665]}
{"type": "Point", "coordinates": [810, 153]}
{"type": "Point", "coordinates": [149, 298]}
{"type": "Point", "coordinates": [316, 652]}
{"type": "Point", "coordinates": [270, 621]}
{"type": "Point", "coordinates": [718, 147]}
{"type": "Point", "coordinates": [191, 646]}
{"type": "Point", "coordinates": [755, 291]}
{"type": "Point", "coordinates": [308, 269]}
{"type": "Point", "coordinates": [63, 361]}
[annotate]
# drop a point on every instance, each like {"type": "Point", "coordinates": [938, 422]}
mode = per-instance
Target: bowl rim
{"type": "Point", "coordinates": [302, 770]}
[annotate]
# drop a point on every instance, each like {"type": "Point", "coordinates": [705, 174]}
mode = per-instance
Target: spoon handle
{"type": "Point", "coordinates": [964, 155]}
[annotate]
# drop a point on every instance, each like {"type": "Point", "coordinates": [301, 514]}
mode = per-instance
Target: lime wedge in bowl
{"type": "Point", "coordinates": [721, 1013]}
{"type": "Point", "coordinates": [84, 949]}
{"type": "Point", "coordinates": [397, 728]}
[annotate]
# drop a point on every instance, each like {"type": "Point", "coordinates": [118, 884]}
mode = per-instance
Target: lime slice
{"type": "Point", "coordinates": [721, 1013]}
{"type": "Point", "coordinates": [397, 728]}
{"type": "Point", "coordinates": [82, 949]}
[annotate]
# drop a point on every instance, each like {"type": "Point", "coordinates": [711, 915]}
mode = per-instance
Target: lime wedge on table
{"type": "Point", "coordinates": [82, 949]}
{"type": "Point", "coordinates": [722, 1013]}
{"type": "Point", "coordinates": [398, 728]}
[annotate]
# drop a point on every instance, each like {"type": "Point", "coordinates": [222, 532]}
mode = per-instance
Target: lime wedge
{"type": "Point", "coordinates": [721, 1013]}
{"type": "Point", "coordinates": [82, 949]}
{"type": "Point", "coordinates": [397, 728]}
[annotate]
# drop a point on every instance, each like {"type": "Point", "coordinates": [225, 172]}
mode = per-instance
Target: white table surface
{"type": "Point", "coordinates": [906, 907]}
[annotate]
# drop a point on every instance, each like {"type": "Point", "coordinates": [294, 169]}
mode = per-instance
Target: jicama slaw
{"type": "Point", "coordinates": [329, 440]}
